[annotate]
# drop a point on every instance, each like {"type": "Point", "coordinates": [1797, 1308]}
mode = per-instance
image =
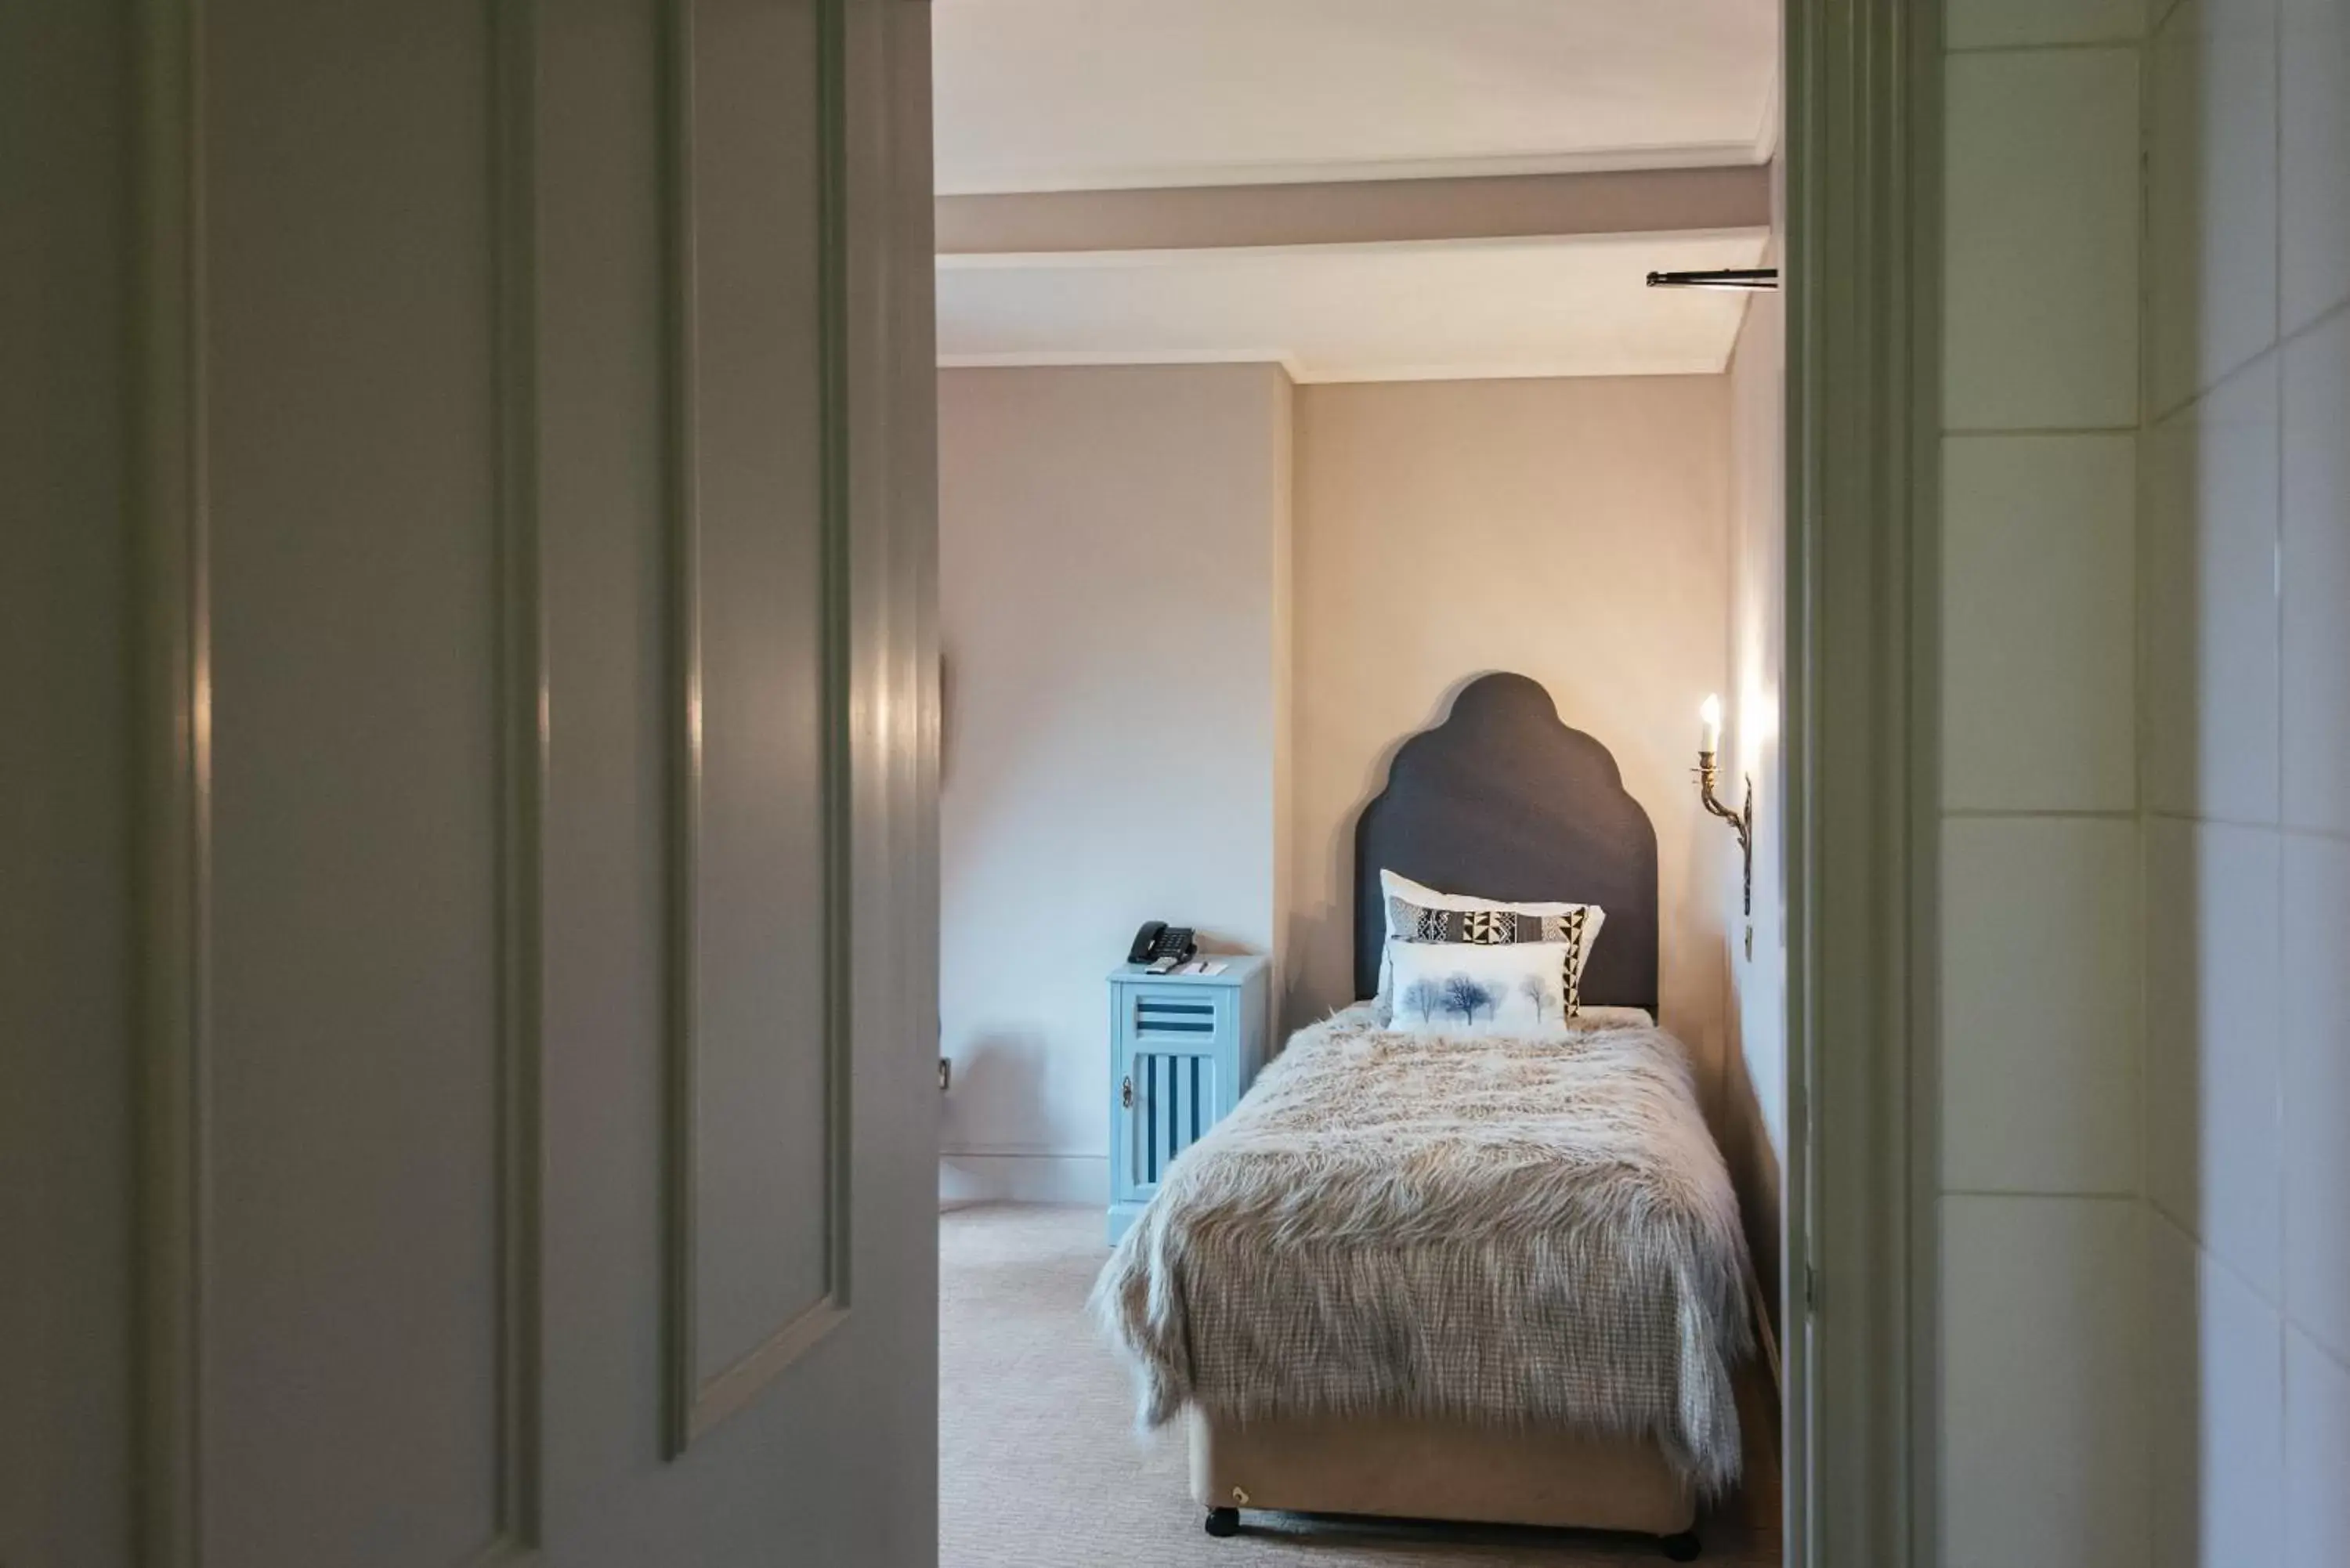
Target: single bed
{"type": "Point", "coordinates": [1493, 1282]}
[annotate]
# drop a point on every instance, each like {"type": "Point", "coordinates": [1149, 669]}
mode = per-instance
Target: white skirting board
{"type": "Point", "coordinates": [1024, 1179]}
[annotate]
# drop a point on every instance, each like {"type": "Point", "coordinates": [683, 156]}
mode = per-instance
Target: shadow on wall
{"type": "Point", "coordinates": [997, 1067]}
{"type": "Point", "coordinates": [1754, 1172]}
{"type": "Point", "coordinates": [1329, 928]}
{"type": "Point", "coordinates": [1212, 940]}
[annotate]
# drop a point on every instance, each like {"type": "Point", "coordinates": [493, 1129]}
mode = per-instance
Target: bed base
{"type": "Point", "coordinates": [1398, 1467]}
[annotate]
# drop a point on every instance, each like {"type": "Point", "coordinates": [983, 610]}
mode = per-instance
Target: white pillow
{"type": "Point", "coordinates": [1617, 1018]}
{"type": "Point", "coordinates": [1465, 990]}
{"type": "Point", "coordinates": [1394, 885]}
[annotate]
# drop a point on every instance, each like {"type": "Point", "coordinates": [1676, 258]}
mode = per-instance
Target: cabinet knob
{"type": "Point", "coordinates": [1126, 1094]}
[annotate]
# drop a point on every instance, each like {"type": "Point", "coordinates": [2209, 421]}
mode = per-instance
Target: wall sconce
{"type": "Point", "coordinates": [1741, 821]}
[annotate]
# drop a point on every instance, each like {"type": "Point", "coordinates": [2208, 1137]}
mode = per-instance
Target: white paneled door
{"type": "Point", "coordinates": [468, 1085]}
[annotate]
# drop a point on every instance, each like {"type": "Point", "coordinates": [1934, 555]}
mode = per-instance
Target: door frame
{"type": "Point", "coordinates": [1862, 752]}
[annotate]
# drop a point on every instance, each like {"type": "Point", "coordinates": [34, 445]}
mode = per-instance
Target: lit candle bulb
{"type": "Point", "coordinates": [1712, 715]}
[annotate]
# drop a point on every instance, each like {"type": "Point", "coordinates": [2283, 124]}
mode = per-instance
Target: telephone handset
{"type": "Point", "coordinates": [1159, 942]}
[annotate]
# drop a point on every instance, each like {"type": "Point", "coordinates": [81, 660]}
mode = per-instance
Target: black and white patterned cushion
{"type": "Point", "coordinates": [1491, 927]}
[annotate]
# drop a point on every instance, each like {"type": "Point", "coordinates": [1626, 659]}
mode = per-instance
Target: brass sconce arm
{"type": "Point", "coordinates": [1741, 821]}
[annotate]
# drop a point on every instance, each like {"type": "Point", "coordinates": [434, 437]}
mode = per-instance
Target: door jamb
{"type": "Point", "coordinates": [1864, 259]}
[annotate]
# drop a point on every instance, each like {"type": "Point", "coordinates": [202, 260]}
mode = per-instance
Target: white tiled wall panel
{"type": "Point", "coordinates": [2044, 1395]}
{"type": "Point", "coordinates": [2316, 1455]}
{"type": "Point", "coordinates": [2043, 1382]}
{"type": "Point", "coordinates": [2208, 611]}
{"type": "Point", "coordinates": [2040, 310]}
{"type": "Point", "coordinates": [2315, 188]}
{"type": "Point", "coordinates": [2039, 590]}
{"type": "Point", "coordinates": [2316, 994]}
{"type": "Point", "coordinates": [2216, 1356]}
{"type": "Point", "coordinates": [2040, 1005]}
{"type": "Point", "coordinates": [2011, 23]}
{"type": "Point", "coordinates": [2200, 1415]}
{"type": "Point", "coordinates": [2211, 231]}
{"type": "Point", "coordinates": [2214, 1117]}
{"type": "Point", "coordinates": [2317, 669]}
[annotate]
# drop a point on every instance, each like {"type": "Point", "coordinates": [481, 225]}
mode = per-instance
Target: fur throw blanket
{"type": "Point", "coordinates": [1495, 1229]}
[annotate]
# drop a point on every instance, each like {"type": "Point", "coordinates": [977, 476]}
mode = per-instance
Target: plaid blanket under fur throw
{"type": "Point", "coordinates": [1492, 1229]}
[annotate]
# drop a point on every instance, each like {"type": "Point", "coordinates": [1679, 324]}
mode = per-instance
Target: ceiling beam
{"type": "Point", "coordinates": [1356, 211]}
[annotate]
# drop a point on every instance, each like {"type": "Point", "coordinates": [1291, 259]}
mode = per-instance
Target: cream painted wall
{"type": "Point", "coordinates": [1754, 1118]}
{"type": "Point", "coordinates": [1575, 531]}
{"type": "Point", "coordinates": [1095, 522]}
{"type": "Point", "coordinates": [1113, 548]}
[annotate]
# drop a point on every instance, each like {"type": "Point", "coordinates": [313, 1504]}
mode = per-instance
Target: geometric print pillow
{"type": "Point", "coordinates": [1494, 928]}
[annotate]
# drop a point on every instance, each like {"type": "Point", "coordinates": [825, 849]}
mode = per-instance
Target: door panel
{"type": "Point", "coordinates": [734, 453]}
{"type": "Point", "coordinates": [67, 1129]}
{"type": "Point", "coordinates": [743, 541]}
{"type": "Point", "coordinates": [525, 1146]}
{"type": "Point", "coordinates": [349, 1335]}
{"type": "Point", "coordinates": [760, 532]}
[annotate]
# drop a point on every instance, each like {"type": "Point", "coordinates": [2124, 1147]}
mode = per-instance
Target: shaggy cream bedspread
{"type": "Point", "coordinates": [1499, 1230]}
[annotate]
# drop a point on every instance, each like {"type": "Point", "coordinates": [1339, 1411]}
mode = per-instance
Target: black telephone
{"type": "Point", "coordinates": [1158, 942]}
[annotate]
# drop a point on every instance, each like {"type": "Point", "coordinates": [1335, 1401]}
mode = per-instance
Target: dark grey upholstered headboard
{"type": "Point", "coordinates": [1502, 801]}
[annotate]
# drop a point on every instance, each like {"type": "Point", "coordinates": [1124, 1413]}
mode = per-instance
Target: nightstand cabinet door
{"type": "Point", "coordinates": [1166, 1098]}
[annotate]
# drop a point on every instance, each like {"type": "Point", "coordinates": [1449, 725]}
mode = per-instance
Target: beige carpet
{"type": "Point", "coordinates": [1040, 1467]}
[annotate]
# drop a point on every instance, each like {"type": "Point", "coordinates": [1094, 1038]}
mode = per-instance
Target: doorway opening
{"type": "Point", "coordinates": [1352, 565]}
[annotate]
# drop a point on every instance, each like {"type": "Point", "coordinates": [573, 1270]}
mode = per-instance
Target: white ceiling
{"type": "Point", "coordinates": [1057, 95]}
{"type": "Point", "coordinates": [1556, 306]}
{"type": "Point", "coordinates": [1142, 96]}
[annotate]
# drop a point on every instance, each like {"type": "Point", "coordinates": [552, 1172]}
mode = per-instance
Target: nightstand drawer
{"type": "Point", "coordinates": [1171, 1014]}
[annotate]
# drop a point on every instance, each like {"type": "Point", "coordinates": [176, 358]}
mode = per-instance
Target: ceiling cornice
{"type": "Point", "coordinates": [1351, 171]}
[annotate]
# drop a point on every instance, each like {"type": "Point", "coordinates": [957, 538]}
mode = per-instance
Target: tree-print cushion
{"type": "Point", "coordinates": [1469, 989]}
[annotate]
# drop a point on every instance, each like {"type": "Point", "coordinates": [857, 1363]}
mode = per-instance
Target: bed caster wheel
{"type": "Point", "coordinates": [1681, 1548]}
{"type": "Point", "coordinates": [1223, 1523]}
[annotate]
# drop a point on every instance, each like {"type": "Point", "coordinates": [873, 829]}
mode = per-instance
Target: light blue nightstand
{"type": "Point", "coordinates": [1182, 1050]}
